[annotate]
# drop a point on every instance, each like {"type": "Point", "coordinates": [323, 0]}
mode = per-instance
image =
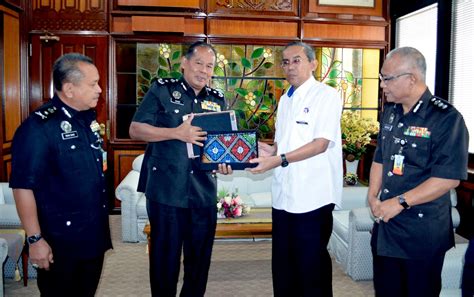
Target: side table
{"type": "Point", "coordinates": [16, 247]}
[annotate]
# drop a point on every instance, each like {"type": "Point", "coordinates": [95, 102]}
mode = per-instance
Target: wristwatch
{"type": "Point", "coordinates": [284, 161]}
{"type": "Point", "coordinates": [403, 202]}
{"type": "Point", "coordinates": [33, 238]}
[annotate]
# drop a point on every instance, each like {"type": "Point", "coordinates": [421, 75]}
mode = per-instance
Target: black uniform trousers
{"type": "Point", "coordinates": [174, 229]}
{"type": "Point", "coordinates": [301, 265]}
{"type": "Point", "coordinates": [70, 277]}
{"type": "Point", "coordinates": [397, 277]}
{"type": "Point", "coordinates": [468, 272]}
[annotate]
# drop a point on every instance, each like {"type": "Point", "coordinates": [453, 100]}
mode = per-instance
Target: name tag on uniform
{"type": "Point", "coordinates": [69, 135]}
{"type": "Point", "coordinates": [387, 127]}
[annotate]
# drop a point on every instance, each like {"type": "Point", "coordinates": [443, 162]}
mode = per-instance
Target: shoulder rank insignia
{"type": "Point", "coordinates": [439, 102]}
{"type": "Point", "coordinates": [45, 112]}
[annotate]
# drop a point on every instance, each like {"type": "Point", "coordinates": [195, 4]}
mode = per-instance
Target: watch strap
{"type": "Point", "coordinates": [34, 238]}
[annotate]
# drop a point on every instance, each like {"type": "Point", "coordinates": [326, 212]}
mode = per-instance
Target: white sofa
{"type": "Point", "coordinates": [350, 241]}
{"type": "Point", "coordinates": [254, 190]}
{"type": "Point", "coordinates": [3, 256]}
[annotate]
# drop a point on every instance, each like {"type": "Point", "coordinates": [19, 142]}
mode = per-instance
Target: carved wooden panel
{"type": "Point", "coordinates": [238, 28]}
{"type": "Point", "coordinates": [69, 15]}
{"type": "Point", "coordinates": [161, 3]}
{"type": "Point", "coordinates": [254, 7]}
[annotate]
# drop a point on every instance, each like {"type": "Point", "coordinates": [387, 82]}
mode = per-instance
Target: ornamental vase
{"type": "Point", "coordinates": [351, 166]}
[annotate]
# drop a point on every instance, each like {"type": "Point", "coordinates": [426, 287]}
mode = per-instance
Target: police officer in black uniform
{"type": "Point", "coordinates": [58, 183]}
{"type": "Point", "coordinates": [181, 199]}
{"type": "Point", "coordinates": [421, 155]}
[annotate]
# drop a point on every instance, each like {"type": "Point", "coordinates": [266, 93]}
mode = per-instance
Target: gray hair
{"type": "Point", "coordinates": [411, 57]}
{"type": "Point", "coordinates": [308, 50]}
{"type": "Point", "coordinates": [192, 48]}
{"type": "Point", "coordinates": [65, 69]}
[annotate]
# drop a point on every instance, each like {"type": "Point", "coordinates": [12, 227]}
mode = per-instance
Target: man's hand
{"type": "Point", "coordinates": [385, 210]}
{"type": "Point", "coordinates": [265, 164]}
{"type": "Point", "coordinates": [40, 253]}
{"type": "Point", "coordinates": [266, 150]}
{"type": "Point", "coordinates": [190, 134]}
{"type": "Point", "coordinates": [224, 169]}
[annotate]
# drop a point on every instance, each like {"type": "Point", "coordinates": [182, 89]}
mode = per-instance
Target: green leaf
{"type": "Point", "coordinates": [279, 84]}
{"type": "Point", "coordinates": [252, 84]}
{"type": "Point", "coordinates": [176, 67]}
{"type": "Point", "coordinates": [257, 93]}
{"type": "Point", "coordinates": [349, 76]}
{"type": "Point", "coordinates": [162, 61]}
{"type": "Point", "coordinates": [336, 64]}
{"type": "Point", "coordinates": [232, 81]}
{"type": "Point", "coordinates": [264, 128]}
{"type": "Point", "coordinates": [144, 88]}
{"type": "Point", "coordinates": [334, 73]}
{"type": "Point", "coordinates": [332, 83]}
{"type": "Point", "coordinates": [176, 55]}
{"type": "Point", "coordinates": [162, 73]}
{"type": "Point", "coordinates": [264, 107]}
{"type": "Point", "coordinates": [267, 65]}
{"type": "Point", "coordinates": [246, 63]}
{"type": "Point", "coordinates": [239, 51]}
{"type": "Point", "coordinates": [242, 92]}
{"type": "Point", "coordinates": [257, 53]}
{"type": "Point", "coordinates": [175, 74]}
{"type": "Point", "coordinates": [218, 71]}
{"type": "Point", "coordinates": [240, 114]}
{"type": "Point", "coordinates": [145, 74]}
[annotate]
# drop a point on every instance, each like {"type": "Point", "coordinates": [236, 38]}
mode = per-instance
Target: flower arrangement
{"type": "Point", "coordinates": [350, 179]}
{"type": "Point", "coordinates": [230, 205]}
{"type": "Point", "coordinates": [356, 134]}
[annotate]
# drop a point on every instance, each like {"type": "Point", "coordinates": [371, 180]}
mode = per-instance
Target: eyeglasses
{"type": "Point", "coordinates": [295, 62]}
{"type": "Point", "coordinates": [387, 79]}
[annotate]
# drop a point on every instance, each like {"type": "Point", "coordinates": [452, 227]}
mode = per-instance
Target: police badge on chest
{"type": "Point", "coordinates": [68, 133]}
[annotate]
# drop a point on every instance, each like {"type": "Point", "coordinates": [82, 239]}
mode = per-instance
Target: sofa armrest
{"type": "Point", "coordinates": [361, 218]}
{"type": "Point", "coordinates": [127, 193]}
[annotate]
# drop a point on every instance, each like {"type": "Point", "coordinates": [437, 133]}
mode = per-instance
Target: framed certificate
{"type": "Point", "coordinates": [235, 148]}
{"type": "Point", "coordinates": [357, 3]}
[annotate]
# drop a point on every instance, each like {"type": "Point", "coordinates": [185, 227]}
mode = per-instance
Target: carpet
{"type": "Point", "coordinates": [240, 268]}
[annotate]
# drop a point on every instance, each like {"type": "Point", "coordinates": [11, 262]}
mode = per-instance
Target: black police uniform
{"type": "Point", "coordinates": [432, 139]}
{"type": "Point", "coordinates": [181, 199]}
{"type": "Point", "coordinates": [57, 155]}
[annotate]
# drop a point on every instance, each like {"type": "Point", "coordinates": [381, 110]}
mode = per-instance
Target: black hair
{"type": "Point", "coordinates": [65, 69]}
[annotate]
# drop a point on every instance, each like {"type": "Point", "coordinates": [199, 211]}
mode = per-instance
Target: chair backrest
{"type": "Point", "coordinates": [6, 194]}
{"type": "Point", "coordinates": [137, 163]}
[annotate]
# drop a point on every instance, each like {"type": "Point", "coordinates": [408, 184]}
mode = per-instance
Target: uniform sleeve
{"type": "Point", "coordinates": [378, 149]}
{"type": "Point", "coordinates": [328, 124]}
{"type": "Point", "coordinates": [29, 155]}
{"type": "Point", "coordinates": [148, 109]}
{"type": "Point", "coordinates": [450, 141]}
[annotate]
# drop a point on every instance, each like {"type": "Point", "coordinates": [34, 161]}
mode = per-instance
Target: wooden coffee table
{"type": "Point", "coordinates": [258, 224]}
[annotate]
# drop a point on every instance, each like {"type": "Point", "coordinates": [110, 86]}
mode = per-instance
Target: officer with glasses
{"type": "Point", "coordinates": [422, 152]}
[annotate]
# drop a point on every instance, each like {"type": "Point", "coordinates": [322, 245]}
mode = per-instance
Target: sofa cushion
{"type": "Point", "coordinates": [341, 224]}
{"type": "Point", "coordinates": [263, 199]}
{"type": "Point", "coordinates": [137, 163]}
{"type": "Point", "coordinates": [141, 207]}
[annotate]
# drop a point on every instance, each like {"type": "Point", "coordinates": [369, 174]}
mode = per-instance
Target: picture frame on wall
{"type": "Point", "coordinates": [355, 3]}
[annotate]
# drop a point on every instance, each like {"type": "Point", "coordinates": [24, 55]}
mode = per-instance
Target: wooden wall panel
{"type": "Point", "coordinates": [314, 7]}
{"type": "Point", "coordinates": [11, 70]}
{"type": "Point", "coordinates": [157, 24]}
{"type": "Point", "coordinates": [343, 32]}
{"type": "Point", "coordinates": [255, 7]}
{"type": "Point", "coordinates": [252, 28]}
{"type": "Point", "coordinates": [123, 24]}
{"type": "Point", "coordinates": [161, 3]}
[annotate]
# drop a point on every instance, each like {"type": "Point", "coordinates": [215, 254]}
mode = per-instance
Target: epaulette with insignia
{"type": "Point", "coordinates": [215, 93]}
{"type": "Point", "coordinates": [165, 81]}
{"type": "Point", "coordinates": [46, 112]}
{"type": "Point", "coordinates": [440, 102]}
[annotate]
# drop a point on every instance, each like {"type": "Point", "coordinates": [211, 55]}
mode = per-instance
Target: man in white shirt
{"type": "Point", "coordinates": [307, 180]}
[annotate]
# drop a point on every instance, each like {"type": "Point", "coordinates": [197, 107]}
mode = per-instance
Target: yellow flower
{"type": "Point", "coordinates": [165, 50]}
{"type": "Point", "coordinates": [221, 60]}
{"type": "Point", "coordinates": [250, 99]}
{"type": "Point", "coordinates": [356, 132]}
{"type": "Point", "coordinates": [267, 53]}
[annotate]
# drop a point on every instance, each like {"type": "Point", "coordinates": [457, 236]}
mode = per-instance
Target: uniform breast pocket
{"type": "Point", "coordinates": [418, 152]}
{"type": "Point", "coordinates": [73, 156]}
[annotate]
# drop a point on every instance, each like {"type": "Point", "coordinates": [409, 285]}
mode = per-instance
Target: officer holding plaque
{"type": "Point", "coordinates": [181, 198]}
{"type": "Point", "coordinates": [59, 185]}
